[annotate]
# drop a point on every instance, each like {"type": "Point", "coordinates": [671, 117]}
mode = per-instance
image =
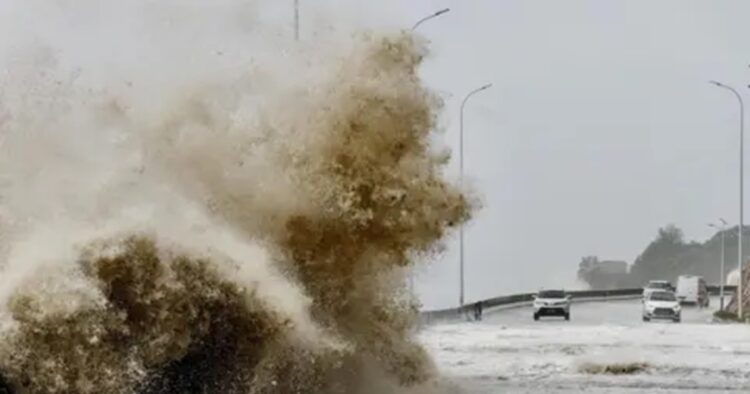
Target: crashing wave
{"type": "Point", "coordinates": [219, 243]}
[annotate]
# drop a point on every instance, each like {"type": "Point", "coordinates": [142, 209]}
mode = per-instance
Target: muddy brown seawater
{"type": "Point", "coordinates": [342, 198]}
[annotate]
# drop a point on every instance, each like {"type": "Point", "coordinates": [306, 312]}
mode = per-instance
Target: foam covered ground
{"type": "Point", "coordinates": [510, 353]}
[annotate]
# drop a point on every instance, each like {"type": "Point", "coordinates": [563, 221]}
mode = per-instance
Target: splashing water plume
{"type": "Point", "coordinates": [214, 228]}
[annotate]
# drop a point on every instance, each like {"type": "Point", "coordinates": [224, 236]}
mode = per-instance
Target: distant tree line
{"type": "Point", "coordinates": [665, 258]}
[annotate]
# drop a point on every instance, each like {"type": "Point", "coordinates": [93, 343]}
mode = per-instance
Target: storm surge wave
{"type": "Point", "coordinates": [217, 229]}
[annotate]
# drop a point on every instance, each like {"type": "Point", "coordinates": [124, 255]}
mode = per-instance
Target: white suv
{"type": "Point", "coordinates": [552, 303]}
{"type": "Point", "coordinates": [656, 285]}
{"type": "Point", "coordinates": [661, 305]}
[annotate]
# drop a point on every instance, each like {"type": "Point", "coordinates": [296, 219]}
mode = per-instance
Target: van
{"type": "Point", "coordinates": [692, 289]}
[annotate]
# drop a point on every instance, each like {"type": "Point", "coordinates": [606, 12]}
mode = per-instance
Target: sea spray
{"type": "Point", "coordinates": [219, 232]}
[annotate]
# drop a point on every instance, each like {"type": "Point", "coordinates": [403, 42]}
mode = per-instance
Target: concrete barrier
{"type": "Point", "coordinates": [476, 310]}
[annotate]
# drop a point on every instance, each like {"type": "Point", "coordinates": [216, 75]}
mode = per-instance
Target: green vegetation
{"type": "Point", "coordinates": [726, 316]}
{"type": "Point", "coordinates": [667, 257]}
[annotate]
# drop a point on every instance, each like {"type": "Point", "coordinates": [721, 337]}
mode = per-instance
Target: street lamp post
{"type": "Point", "coordinates": [742, 191]}
{"type": "Point", "coordinates": [296, 20]}
{"type": "Point", "coordinates": [722, 229]}
{"type": "Point", "coordinates": [428, 17]}
{"type": "Point", "coordinates": [419, 22]}
{"type": "Point", "coordinates": [461, 180]}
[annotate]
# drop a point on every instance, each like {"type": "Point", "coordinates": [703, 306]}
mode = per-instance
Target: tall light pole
{"type": "Point", "coordinates": [296, 20]}
{"type": "Point", "coordinates": [742, 191]}
{"type": "Point", "coordinates": [428, 17]}
{"type": "Point", "coordinates": [722, 227]}
{"type": "Point", "coordinates": [461, 180]}
{"type": "Point", "coordinates": [419, 22]}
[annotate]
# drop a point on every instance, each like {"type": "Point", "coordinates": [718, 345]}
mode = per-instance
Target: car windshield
{"type": "Point", "coordinates": [663, 296]}
{"type": "Point", "coordinates": [658, 285]}
{"type": "Point", "coordinates": [552, 294]}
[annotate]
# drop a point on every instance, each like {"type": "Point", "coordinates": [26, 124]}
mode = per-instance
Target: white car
{"type": "Point", "coordinates": [662, 305]}
{"type": "Point", "coordinates": [552, 303]}
{"type": "Point", "coordinates": [656, 285]}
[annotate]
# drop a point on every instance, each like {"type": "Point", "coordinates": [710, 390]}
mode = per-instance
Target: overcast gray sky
{"type": "Point", "coordinates": [601, 127]}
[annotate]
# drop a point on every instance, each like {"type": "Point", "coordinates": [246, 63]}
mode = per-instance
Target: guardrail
{"type": "Point", "coordinates": [475, 310]}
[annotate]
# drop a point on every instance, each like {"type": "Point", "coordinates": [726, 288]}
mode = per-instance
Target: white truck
{"type": "Point", "coordinates": [692, 289]}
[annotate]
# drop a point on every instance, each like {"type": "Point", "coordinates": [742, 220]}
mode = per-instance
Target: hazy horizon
{"type": "Point", "coordinates": [600, 128]}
